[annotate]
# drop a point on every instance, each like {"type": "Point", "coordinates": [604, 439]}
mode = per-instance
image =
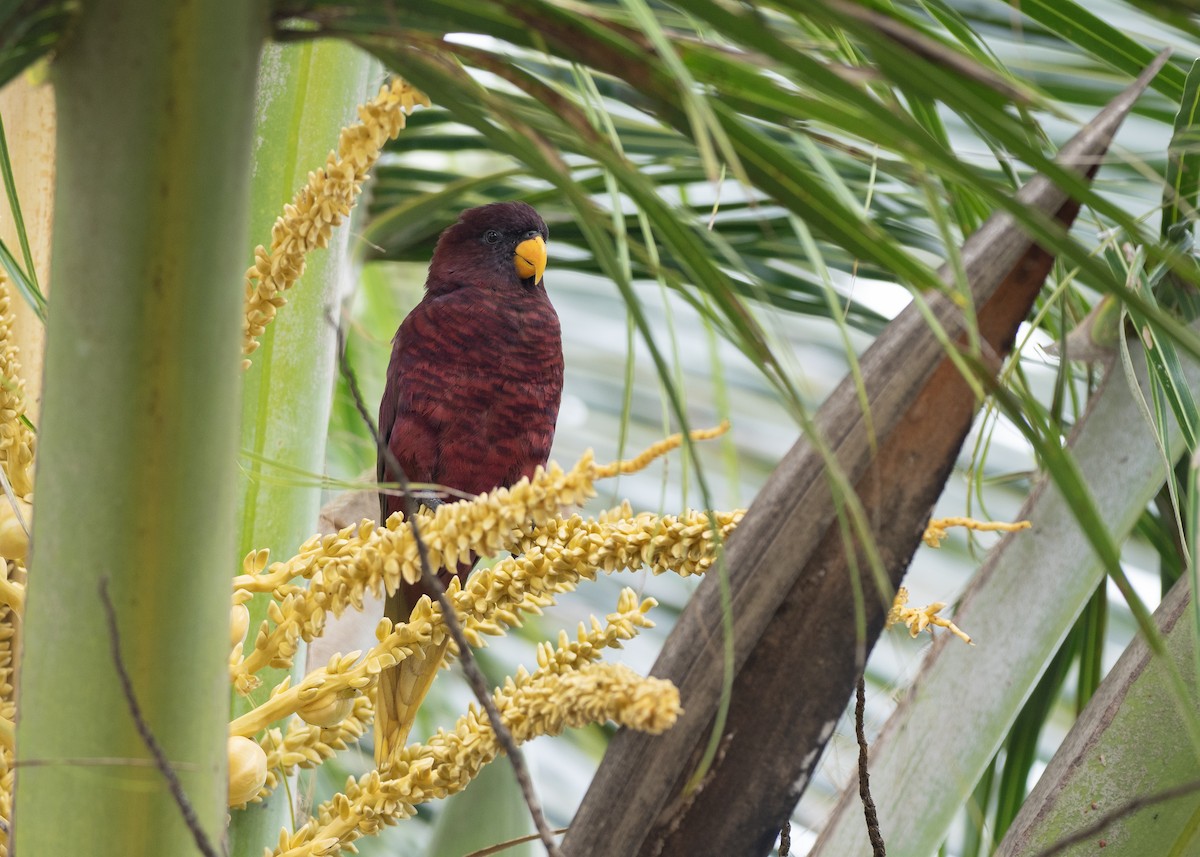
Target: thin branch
{"type": "Point", "coordinates": [466, 656]}
{"type": "Point", "coordinates": [1117, 814]}
{"type": "Point", "coordinates": [143, 729]}
{"type": "Point", "coordinates": [100, 762]}
{"type": "Point", "coordinates": [511, 843]}
{"type": "Point", "coordinates": [864, 779]}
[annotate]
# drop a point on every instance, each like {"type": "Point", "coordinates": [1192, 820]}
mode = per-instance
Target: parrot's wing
{"type": "Point", "coordinates": [409, 420]}
{"type": "Point", "coordinates": [387, 420]}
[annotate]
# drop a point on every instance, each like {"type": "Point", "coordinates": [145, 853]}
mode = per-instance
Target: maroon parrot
{"type": "Point", "coordinates": [471, 399]}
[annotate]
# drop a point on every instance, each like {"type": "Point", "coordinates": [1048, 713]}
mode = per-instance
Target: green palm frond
{"type": "Point", "coordinates": [874, 90]}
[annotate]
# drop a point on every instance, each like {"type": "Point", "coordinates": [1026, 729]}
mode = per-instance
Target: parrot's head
{"type": "Point", "coordinates": [496, 246]}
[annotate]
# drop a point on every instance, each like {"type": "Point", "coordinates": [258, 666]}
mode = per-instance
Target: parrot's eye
{"type": "Point", "coordinates": [491, 236]}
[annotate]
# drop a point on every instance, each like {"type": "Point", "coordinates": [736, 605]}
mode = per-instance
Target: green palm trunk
{"type": "Point", "coordinates": [136, 480]}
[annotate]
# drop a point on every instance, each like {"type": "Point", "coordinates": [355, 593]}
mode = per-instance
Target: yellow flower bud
{"type": "Point", "coordinates": [328, 709]}
{"type": "Point", "coordinates": [14, 541]}
{"type": "Point", "coordinates": [239, 622]}
{"type": "Point", "coordinates": [247, 769]}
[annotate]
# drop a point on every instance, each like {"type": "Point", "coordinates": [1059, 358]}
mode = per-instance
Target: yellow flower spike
{"type": "Point", "coordinates": [590, 642]}
{"type": "Point", "coordinates": [658, 450]}
{"type": "Point", "coordinates": [925, 619]}
{"type": "Point", "coordinates": [247, 769]}
{"type": "Point", "coordinates": [935, 531]}
{"type": "Point", "coordinates": [541, 575]}
{"type": "Point", "coordinates": [322, 204]}
{"type": "Point", "coordinates": [359, 558]}
{"type": "Point", "coordinates": [344, 566]}
{"type": "Point", "coordinates": [569, 655]}
{"type": "Point", "coordinates": [14, 538]}
{"type": "Point", "coordinates": [17, 442]}
{"type": "Point", "coordinates": [400, 642]}
{"type": "Point", "coordinates": [530, 706]}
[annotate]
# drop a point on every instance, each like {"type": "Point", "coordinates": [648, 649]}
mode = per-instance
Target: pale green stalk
{"type": "Point", "coordinates": [138, 436]}
{"type": "Point", "coordinates": [1125, 747]}
{"type": "Point", "coordinates": [306, 94]}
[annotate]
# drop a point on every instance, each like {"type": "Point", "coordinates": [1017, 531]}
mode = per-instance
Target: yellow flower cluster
{"type": "Point", "coordinates": [568, 689]}
{"type": "Point", "coordinates": [926, 618]}
{"type": "Point", "coordinates": [590, 642]}
{"type": "Point", "coordinates": [552, 553]}
{"type": "Point", "coordinates": [551, 559]}
{"type": "Point", "coordinates": [320, 206]}
{"type": "Point", "coordinates": [17, 446]}
{"type": "Point", "coordinates": [340, 569]}
{"type": "Point", "coordinates": [17, 442]}
{"type": "Point", "coordinates": [921, 620]}
{"type": "Point", "coordinates": [450, 760]}
{"type": "Point", "coordinates": [556, 556]}
{"type": "Point", "coordinates": [619, 539]}
{"type": "Point", "coordinates": [493, 598]}
{"type": "Point", "coordinates": [343, 677]}
{"type": "Point", "coordinates": [306, 746]}
{"type": "Point", "coordinates": [935, 531]}
{"type": "Point", "coordinates": [8, 640]}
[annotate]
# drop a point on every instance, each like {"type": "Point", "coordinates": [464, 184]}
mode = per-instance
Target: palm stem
{"type": "Point", "coordinates": [135, 483]}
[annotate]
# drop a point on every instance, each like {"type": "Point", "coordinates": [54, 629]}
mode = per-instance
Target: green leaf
{"type": "Point", "coordinates": [28, 289]}
{"type": "Point", "coordinates": [1183, 157]}
{"type": "Point", "coordinates": [1099, 39]}
{"type": "Point", "coordinates": [14, 206]}
{"type": "Point", "coordinates": [1022, 741]}
{"type": "Point", "coordinates": [1167, 372]}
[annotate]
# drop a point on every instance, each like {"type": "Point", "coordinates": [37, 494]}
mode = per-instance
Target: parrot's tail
{"type": "Point", "coordinates": [401, 690]}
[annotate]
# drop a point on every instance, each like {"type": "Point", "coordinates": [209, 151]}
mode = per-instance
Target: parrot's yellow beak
{"type": "Point", "coordinates": [530, 259]}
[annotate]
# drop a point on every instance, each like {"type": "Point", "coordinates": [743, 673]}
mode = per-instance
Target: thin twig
{"type": "Point", "coordinates": [864, 780]}
{"type": "Point", "coordinates": [501, 847]}
{"type": "Point", "coordinates": [785, 839]}
{"type": "Point", "coordinates": [466, 657]}
{"type": "Point", "coordinates": [100, 762]}
{"type": "Point", "coordinates": [1120, 812]}
{"type": "Point", "coordinates": [143, 729]}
